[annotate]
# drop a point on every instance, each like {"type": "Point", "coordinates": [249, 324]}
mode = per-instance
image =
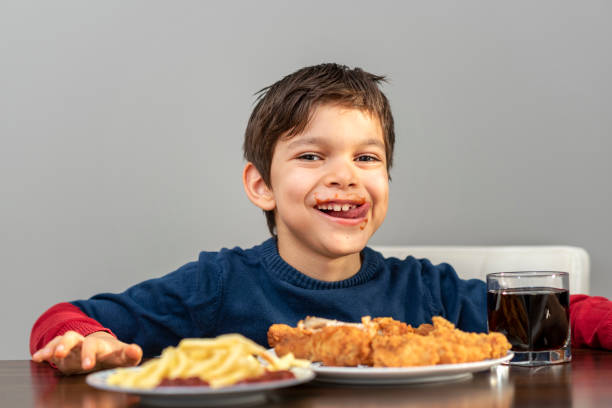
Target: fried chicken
{"type": "Point", "coordinates": [384, 342]}
{"type": "Point", "coordinates": [318, 339]}
{"type": "Point", "coordinates": [456, 346]}
{"type": "Point", "coordinates": [286, 339]}
{"type": "Point", "coordinates": [353, 341]}
{"type": "Point", "coordinates": [410, 349]}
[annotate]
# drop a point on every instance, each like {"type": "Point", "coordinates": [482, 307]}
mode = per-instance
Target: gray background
{"type": "Point", "coordinates": [122, 124]}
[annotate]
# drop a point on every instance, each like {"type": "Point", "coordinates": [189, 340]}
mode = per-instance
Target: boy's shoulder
{"type": "Point", "coordinates": [396, 261]}
{"type": "Point", "coordinates": [251, 255]}
{"type": "Point", "coordinates": [422, 266]}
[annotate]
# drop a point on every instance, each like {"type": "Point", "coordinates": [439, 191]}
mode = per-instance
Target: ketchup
{"type": "Point", "coordinates": [196, 381]}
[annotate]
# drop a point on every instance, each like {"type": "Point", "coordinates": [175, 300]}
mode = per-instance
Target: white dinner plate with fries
{"type": "Point", "coordinates": [202, 396]}
{"type": "Point", "coordinates": [221, 364]}
{"type": "Point", "coordinates": [364, 375]}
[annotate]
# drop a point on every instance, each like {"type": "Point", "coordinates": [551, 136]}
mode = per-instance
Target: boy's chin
{"type": "Point", "coordinates": [338, 248]}
{"type": "Point", "coordinates": [342, 244]}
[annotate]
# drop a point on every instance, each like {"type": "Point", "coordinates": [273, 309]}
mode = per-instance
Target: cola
{"type": "Point", "coordinates": [533, 319]}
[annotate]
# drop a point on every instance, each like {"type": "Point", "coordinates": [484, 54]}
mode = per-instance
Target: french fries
{"type": "Point", "coordinates": [221, 361]}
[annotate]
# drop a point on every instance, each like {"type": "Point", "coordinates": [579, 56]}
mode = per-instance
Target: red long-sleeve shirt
{"type": "Point", "coordinates": [590, 317]}
{"type": "Point", "coordinates": [58, 320]}
{"type": "Point", "coordinates": [591, 321]}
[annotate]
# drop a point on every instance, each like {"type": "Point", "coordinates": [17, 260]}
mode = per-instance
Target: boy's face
{"type": "Point", "coordinates": [330, 184]}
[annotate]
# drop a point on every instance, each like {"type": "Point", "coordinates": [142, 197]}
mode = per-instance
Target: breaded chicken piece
{"type": "Point", "coordinates": [286, 339]}
{"type": "Point", "coordinates": [328, 341]}
{"type": "Point", "coordinates": [384, 342]}
{"type": "Point", "coordinates": [403, 350]}
{"type": "Point", "coordinates": [456, 346]}
{"type": "Point", "coordinates": [386, 326]}
{"type": "Point", "coordinates": [342, 346]}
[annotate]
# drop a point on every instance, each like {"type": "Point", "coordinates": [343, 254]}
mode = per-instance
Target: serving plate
{"type": "Point", "coordinates": [404, 375]}
{"type": "Point", "coordinates": [202, 396]}
{"type": "Point", "coordinates": [366, 375]}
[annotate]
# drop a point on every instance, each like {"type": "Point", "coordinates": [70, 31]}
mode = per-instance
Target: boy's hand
{"type": "Point", "coordinates": [72, 353]}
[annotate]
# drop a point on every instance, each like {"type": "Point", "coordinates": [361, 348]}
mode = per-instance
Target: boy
{"type": "Point", "coordinates": [319, 146]}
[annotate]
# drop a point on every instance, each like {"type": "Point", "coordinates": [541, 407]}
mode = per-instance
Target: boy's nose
{"type": "Point", "coordinates": [341, 175]}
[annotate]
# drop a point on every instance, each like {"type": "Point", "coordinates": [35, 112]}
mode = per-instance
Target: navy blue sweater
{"type": "Point", "coordinates": [245, 291]}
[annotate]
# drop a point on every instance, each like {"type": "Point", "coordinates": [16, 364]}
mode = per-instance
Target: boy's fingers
{"type": "Point", "coordinates": [46, 352]}
{"type": "Point", "coordinates": [133, 354]}
{"type": "Point", "coordinates": [105, 353]}
{"type": "Point", "coordinates": [66, 343]}
{"type": "Point", "coordinates": [112, 358]}
{"type": "Point", "coordinates": [72, 353]}
{"type": "Point", "coordinates": [37, 357]}
{"type": "Point", "coordinates": [89, 350]}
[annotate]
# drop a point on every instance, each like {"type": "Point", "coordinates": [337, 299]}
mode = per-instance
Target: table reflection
{"type": "Point", "coordinates": [482, 390]}
{"type": "Point", "coordinates": [54, 390]}
{"type": "Point", "coordinates": [539, 384]}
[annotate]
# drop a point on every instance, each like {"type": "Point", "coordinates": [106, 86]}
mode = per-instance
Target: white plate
{"type": "Point", "coordinates": [202, 396]}
{"type": "Point", "coordinates": [403, 375]}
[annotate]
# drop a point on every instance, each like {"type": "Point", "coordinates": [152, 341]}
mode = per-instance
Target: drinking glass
{"type": "Point", "coordinates": [531, 309]}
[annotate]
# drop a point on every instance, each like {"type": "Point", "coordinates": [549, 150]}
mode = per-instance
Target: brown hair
{"type": "Point", "coordinates": [285, 108]}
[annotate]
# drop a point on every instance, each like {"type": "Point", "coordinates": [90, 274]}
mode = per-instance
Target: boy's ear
{"type": "Point", "coordinates": [256, 189]}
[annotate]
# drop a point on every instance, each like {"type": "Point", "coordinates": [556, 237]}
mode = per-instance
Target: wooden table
{"type": "Point", "coordinates": [585, 382]}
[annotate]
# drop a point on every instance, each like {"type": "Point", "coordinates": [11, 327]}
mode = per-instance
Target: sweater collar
{"type": "Point", "coordinates": [277, 266]}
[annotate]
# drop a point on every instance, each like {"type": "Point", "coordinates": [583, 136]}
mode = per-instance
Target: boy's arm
{"type": "Point", "coordinates": [77, 337]}
{"type": "Point", "coordinates": [591, 321]}
{"type": "Point", "coordinates": [73, 343]}
{"type": "Point", "coordinates": [160, 312]}
{"type": "Point", "coordinates": [58, 320]}
{"type": "Point", "coordinates": [462, 302]}
{"type": "Point", "coordinates": [154, 314]}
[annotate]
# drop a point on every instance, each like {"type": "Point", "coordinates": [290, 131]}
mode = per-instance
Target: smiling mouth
{"type": "Point", "coordinates": [344, 210]}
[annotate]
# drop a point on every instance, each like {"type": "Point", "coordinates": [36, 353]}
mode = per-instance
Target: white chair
{"type": "Point", "coordinates": [478, 261]}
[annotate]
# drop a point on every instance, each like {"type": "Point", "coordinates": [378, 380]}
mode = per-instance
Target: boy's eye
{"type": "Point", "coordinates": [309, 157]}
{"type": "Point", "coordinates": [367, 158]}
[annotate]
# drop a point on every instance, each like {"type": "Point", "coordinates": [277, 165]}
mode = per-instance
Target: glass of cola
{"type": "Point", "coordinates": [531, 309]}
